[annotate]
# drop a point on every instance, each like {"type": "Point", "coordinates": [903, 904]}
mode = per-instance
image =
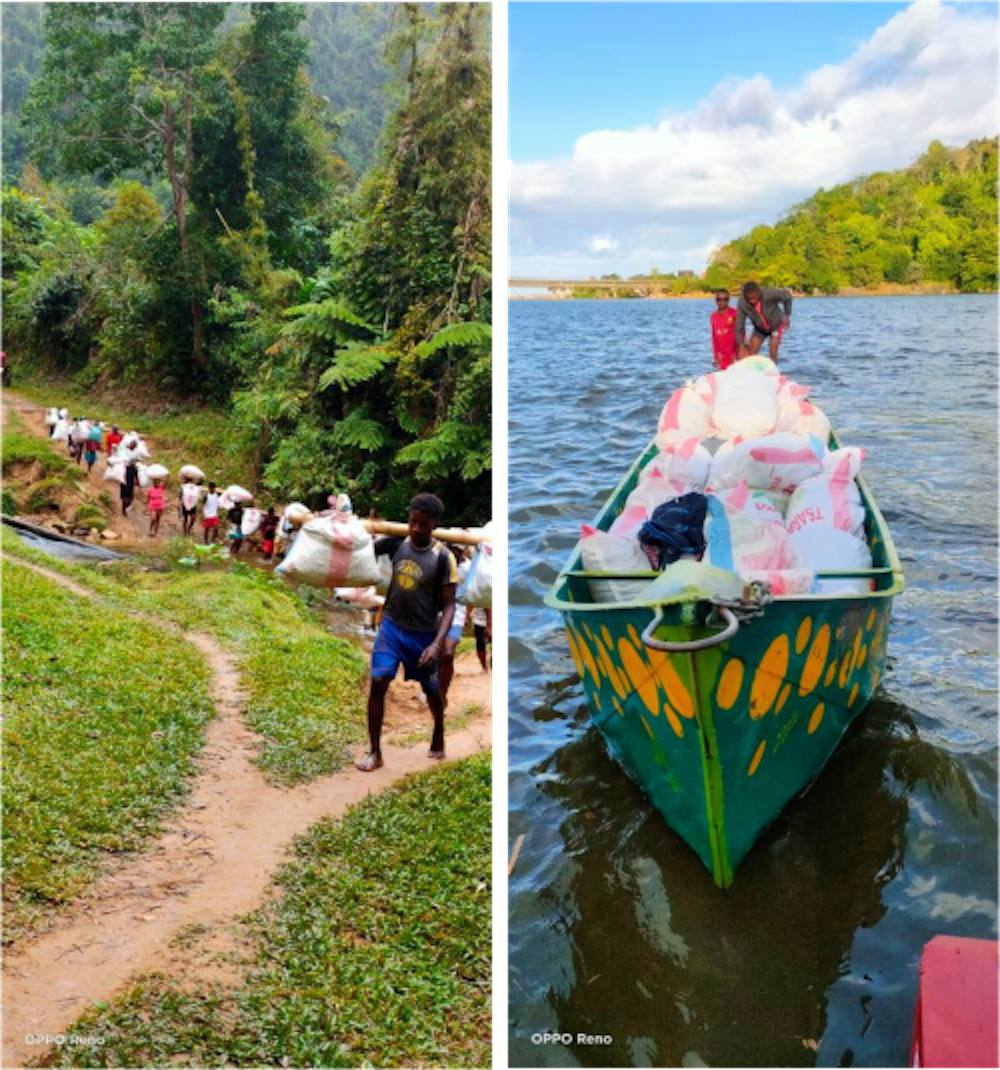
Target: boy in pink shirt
{"type": "Point", "coordinates": [154, 503]}
{"type": "Point", "coordinates": [723, 331]}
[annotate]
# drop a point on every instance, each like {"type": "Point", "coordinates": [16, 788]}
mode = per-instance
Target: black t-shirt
{"type": "Point", "coordinates": [418, 576]}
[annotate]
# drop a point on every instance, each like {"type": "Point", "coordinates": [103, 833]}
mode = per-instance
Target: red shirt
{"type": "Point", "coordinates": [724, 337]}
{"type": "Point", "coordinates": [114, 437]}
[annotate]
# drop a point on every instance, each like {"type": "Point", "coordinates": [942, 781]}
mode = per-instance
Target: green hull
{"type": "Point", "coordinates": [722, 738]}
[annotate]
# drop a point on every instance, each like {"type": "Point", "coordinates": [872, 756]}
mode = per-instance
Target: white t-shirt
{"type": "Point", "coordinates": [478, 617]}
{"type": "Point", "coordinates": [210, 508]}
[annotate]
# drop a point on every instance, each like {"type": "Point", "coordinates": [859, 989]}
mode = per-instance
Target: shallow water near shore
{"type": "Point", "coordinates": [811, 958]}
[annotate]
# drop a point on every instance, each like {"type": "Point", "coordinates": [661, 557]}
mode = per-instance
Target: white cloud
{"type": "Point", "coordinates": [603, 244]}
{"type": "Point", "coordinates": [749, 151]}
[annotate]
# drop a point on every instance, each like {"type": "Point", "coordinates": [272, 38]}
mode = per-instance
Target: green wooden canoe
{"type": "Point", "coordinates": [723, 732]}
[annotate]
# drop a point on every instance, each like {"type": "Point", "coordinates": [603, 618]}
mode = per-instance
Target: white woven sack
{"type": "Point", "coordinates": [157, 471]}
{"type": "Point", "coordinates": [604, 552]}
{"type": "Point", "coordinates": [192, 472]}
{"type": "Point", "coordinates": [687, 463]}
{"type": "Point", "coordinates": [236, 493]}
{"type": "Point", "coordinates": [746, 403]}
{"type": "Point", "coordinates": [654, 489]}
{"type": "Point", "coordinates": [332, 551]}
{"type": "Point", "coordinates": [51, 417]}
{"type": "Point", "coordinates": [143, 474]}
{"type": "Point", "coordinates": [477, 590]}
{"type": "Point", "coordinates": [251, 521]}
{"type": "Point", "coordinates": [778, 463]}
{"type": "Point", "coordinates": [685, 415]}
{"type": "Point", "coordinates": [824, 548]}
{"type": "Point", "coordinates": [115, 473]}
{"type": "Point", "coordinates": [61, 432]}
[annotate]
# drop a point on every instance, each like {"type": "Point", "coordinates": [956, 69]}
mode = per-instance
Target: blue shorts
{"type": "Point", "coordinates": [455, 632]}
{"type": "Point", "coordinates": [396, 646]}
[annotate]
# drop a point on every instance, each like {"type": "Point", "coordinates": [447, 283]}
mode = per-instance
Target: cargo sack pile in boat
{"type": "Point", "coordinates": [685, 415]}
{"type": "Point", "coordinates": [654, 489]}
{"type": "Point", "coordinates": [332, 551]}
{"type": "Point", "coordinates": [762, 504]}
{"type": "Point", "coordinates": [743, 543]}
{"type": "Point", "coordinates": [746, 403]}
{"type": "Point", "coordinates": [802, 417]}
{"type": "Point", "coordinates": [676, 529]}
{"type": "Point", "coordinates": [477, 588]}
{"type": "Point", "coordinates": [824, 549]}
{"type": "Point", "coordinates": [685, 463]}
{"type": "Point", "coordinates": [604, 552]}
{"type": "Point", "coordinates": [777, 463]}
{"type": "Point", "coordinates": [831, 499]}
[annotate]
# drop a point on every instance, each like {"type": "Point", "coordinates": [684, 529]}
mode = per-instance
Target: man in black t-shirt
{"type": "Point", "coordinates": [418, 612]}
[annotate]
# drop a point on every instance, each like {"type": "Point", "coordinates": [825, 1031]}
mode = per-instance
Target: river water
{"type": "Point", "coordinates": [811, 958]}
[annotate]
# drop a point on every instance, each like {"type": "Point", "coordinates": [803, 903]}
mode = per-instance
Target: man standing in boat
{"type": "Point", "coordinates": [769, 310]}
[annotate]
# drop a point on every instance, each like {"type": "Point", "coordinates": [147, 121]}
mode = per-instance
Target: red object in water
{"type": "Point", "coordinates": [956, 1021]}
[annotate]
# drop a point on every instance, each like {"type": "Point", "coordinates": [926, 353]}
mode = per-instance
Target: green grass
{"type": "Point", "coordinates": [24, 449]}
{"type": "Point", "coordinates": [376, 953]}
{"type": "Point", "coordinates": [305, 687]}
{"type": "Point", "coordinates": [104, 716]}
{"type": "Point", "coordinates": [188, 434]}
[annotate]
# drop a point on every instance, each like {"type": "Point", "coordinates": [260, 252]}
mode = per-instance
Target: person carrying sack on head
{"type": "Point", "coordinates": [769, 311]}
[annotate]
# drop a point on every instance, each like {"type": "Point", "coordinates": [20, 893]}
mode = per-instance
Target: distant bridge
{"type": "Point", "coordinates": [639, 285]}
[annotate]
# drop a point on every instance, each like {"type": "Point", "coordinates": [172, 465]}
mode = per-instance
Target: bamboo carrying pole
{"type": "Point", "coordinates": [393, 527]}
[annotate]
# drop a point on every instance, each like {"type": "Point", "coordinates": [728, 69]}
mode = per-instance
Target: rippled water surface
{"type": "Point", "coordinates": [615, 929]}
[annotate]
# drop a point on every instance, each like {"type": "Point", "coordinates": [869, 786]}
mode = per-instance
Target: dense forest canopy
{"type": "Point", "coordinates": [935, 221]}
{"type": "Point", "coordinates": [283, 209]}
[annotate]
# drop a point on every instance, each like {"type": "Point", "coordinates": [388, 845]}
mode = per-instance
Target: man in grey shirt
{"type": "Point", "coordinates": [769, 311]}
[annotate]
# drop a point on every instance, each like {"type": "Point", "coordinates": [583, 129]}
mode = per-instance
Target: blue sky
{"type": "Point", "coordinates": [652, 130]}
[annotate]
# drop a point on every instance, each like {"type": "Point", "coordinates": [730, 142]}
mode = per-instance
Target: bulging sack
{"type": "Point", "coordinates": [604, 552]}
{"type": "Point", "coordinates": [51, 417]}
{"type": "Point", "coordinates": [831, 499]}
{"type": "Point", "coordinates": [823, 548]}
{"type": "Point", "coordinates": [332, 551]}
{"type": "Point", "coordinates": [802, 417]}
{"type": "Point", "coordinates": [743, 543]}
{"type": "Point", "coordinates": [777, 463]}
{"type": "Point", "coordinates": [61, 431]}
{"type": "Point", "coordinates": [654, 489]}
{"type": "Point", "coordinates": [190, 493]}
{"type": "Point", "coordinates": [250, 522]}
{"type": "Point", "coordinates": [686, 463]}
{"type": "Point", "coordinates": [760, 504]}
{"type": "Point", "coordinates": [477, 588]}
{"type": "Point", "coordinates": [143, 472]}
{"type": "Point", "coordinates": [685, 415]}
{"type": "Point", "coordinates": [746, 403]}
{"type": "Point", "coordinates": [115, 473]}
{"type": "Point", "coordinates": [191, 472]}
{"type": "Point", "coordinates": [157, 471]}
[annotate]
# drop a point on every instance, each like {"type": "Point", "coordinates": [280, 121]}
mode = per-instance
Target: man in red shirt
{"type": "Point", "coordinates": [114, 437]}
{"type": "Point", "coordinates": [723, 331]}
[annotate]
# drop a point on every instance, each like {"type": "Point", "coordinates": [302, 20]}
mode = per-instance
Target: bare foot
{"type": "Point", "coordinates": [369, 763]}
{"type": "Point", "coordinates": [437, 755]}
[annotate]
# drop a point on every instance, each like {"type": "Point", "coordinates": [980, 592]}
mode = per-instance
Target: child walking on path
{"type": "Point", "coordinates": [210, 514]}
{"type": "Point", "coordinates": [154, 503]}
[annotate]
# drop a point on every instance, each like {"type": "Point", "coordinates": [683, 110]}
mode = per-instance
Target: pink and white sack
{"type": "Point", "coordinates": [759, 504]}
{"type": "Point", "coordinates": [332, 551]}
{"type": "Point", "coordinates": [742, 543]}
{"type": "Point", "coordinates": [802, 417]}
{"type": "Point", "coordinates": [832, 499]}
{"type": "Point", "coordinates": [250, 522]}
{"type": "Point", "coordinates": [685, 415]}
{"type": "Point", "coordinates": [686, 463]}
{"type": "Point", "coordinates": [746, 403]}
{"type": "Point", "coordinates": [778, 463]}
{"type": "Point", "coordinates": [604, 552]}
{"type": "Point", "coordinates": [627, 523]}
{"type": "Point", "coordinates": [823, 548]}
{"type": "Point", "coordinates": [654, 489]}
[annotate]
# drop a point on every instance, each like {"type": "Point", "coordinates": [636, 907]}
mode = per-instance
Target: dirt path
{"type": "Point", "coordinates": [133, 529]}
{"type": "Point", "coordinates": [212, 866]}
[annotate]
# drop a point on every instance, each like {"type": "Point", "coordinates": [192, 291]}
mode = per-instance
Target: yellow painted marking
{"type": "Point", "coordinates": [596, 696]}
{"type": "Point", "coordinates": [783, 698]}
{"type": "Point", "coordinates": [678, 694]}
{"type": "Point", "coordinates": [645, 724]}
{"type": "Point", "coordinates": [830, 673]}
{"type": "Point", "coordinates": [816, 718]}
{"type": "Point", "coordinates": [638, 674]}
{"type": "Point", "coordinates": [862, 655]}
{"type": "Point", "coordinates": [575, 652]}
{"type": "Point", "coordinates": [634, 636]}
{"type": "Point", "coordinates": [588, 658]}
{"type": "Point", "coordinates": [610, 671]}
{"type": "Point", "coordinates": [768, 678]}
{"type": "Point", "coordinates": [758, 754]}
{"type": "Point", "coordinates": [845, 668]}
{"type": "Point", "coordinates": [617, 705]}
{"type": "Point", "coordinates": [871, 619]}
{"type": "Point", "coordinates": [672, 719]}
{"type": "Point", "coordinates": [606, 636]}
{"type": "Point", "coordinates": [854, 695]}
{"type": "Point", "coordinates": [730, 683]}
{"type": "Point", "coordinates": [815, 660]}
{"type": "Point", "coordinates": [802, 635]}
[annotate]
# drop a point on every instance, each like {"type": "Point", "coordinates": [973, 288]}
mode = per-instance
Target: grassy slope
{"type": "Point", "coordinates": [104, 716]}
{"type": "Point", "coordinates": [376, 953]}
{"type": "Point", "coordinates": [305, 687]}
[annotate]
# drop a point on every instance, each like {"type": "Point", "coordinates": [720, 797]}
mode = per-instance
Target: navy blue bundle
{"type": "Point", "coordinates": [677, 527]}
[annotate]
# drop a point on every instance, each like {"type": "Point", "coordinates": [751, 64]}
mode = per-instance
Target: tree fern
{"type": "Point", "coordinates": [359, 430]}
{"type": "Point", "coordinates": [458, 335]}
{"type": "Point", "coordinates": [354, 364]}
